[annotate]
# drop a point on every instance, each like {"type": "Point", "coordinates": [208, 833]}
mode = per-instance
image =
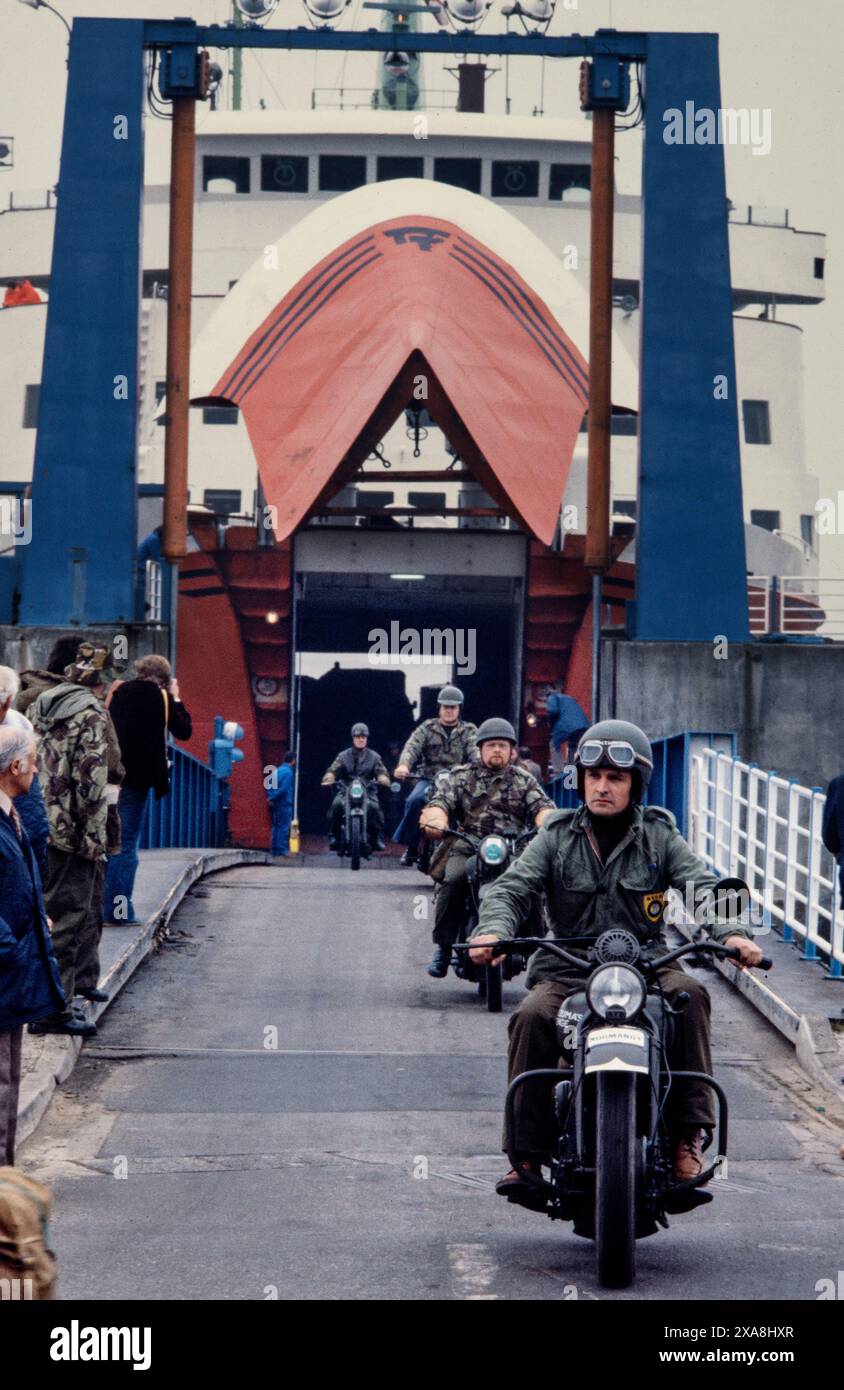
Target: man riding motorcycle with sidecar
{"type": "Point", "coordinates": [607, 864]}
{"type": "Point", "coordinates": [435, 745]}
{"type": "Point", "coordinates": [364, 763]}
{"type": "Point", "coordinates": [488, 797]}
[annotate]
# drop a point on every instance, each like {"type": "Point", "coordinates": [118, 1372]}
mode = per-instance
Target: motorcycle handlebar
{"type": "Point", "coordinates": [518, 943]}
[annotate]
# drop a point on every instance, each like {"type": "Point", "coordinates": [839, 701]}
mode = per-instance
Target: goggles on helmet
{"type": "Point", "coordinates": [616, 752]}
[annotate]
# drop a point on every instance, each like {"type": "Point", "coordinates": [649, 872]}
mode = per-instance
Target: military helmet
{"type": "Point", "coordinates": [360, 729]}
{"type": "Point", "coordinates": [496, 728]}
{"type": "Point", "coordinates": [450, 695]}
{"type": "Point", "coordinates": [616, 743]}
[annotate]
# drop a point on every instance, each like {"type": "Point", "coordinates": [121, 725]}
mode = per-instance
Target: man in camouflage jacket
{"type": "Point", "coordinates": [492, 796]}
{"type": "Point", "coordinates": [435, 745]}
{"type": "Point", "coordinates": [72, 725]}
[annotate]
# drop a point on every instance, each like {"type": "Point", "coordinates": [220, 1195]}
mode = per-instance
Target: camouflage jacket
{"type": "Point", "coordinates": [71, 724]}
{"type": "Point", "coordinates": [585, 896]}
{"type": "Point", "coordinates": [432, 746]}
{"type": "Point", "coordinates": [485, 800]}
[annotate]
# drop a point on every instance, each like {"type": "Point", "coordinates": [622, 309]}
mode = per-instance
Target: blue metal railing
{"type": "Point", "coordinates": [193, 811]}
{"type": "Point", "coordinates": [670, 781]}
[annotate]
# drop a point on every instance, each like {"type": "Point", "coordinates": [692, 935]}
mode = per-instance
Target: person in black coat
{"type": "Point", "coordinates": [29, 976]}
{"type": "Point", "coordinates": [832, 829]}
{"type": "Point", "coordinates": [144, 712]}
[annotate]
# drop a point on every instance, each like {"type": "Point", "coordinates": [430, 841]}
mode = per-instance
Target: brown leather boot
{"type": "Point", "coordinates": [688, 1160]}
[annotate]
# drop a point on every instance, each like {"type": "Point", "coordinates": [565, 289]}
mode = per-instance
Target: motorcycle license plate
{"type": "Point", "coordinates": [616, 1049]}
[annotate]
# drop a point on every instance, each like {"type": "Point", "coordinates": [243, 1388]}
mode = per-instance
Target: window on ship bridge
{"type": "Point", "coordinates": [757, 422]}
{"type": "Point", "coordinates": [284, 173]}
{"type": "Point", "coordinates": [223, 502]}
{"type": "Point", "coordinates": [399, 166]}
{"type": "Point", "coordinates": [768, 521]}
{"type": "Point", "coordinates": [225, 173]}
{"type": "Point", "coordinates": [340, 172]}
{"type": "Point", "coordinates": [568, 176]}
{"type": "Point", "coordinates": [460, 173]}
{"type": "Point", "coordinates": [515, 178]}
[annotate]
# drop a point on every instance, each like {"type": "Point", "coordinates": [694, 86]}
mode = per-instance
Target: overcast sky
{"type": "Point", "coordinates": [775, 54]}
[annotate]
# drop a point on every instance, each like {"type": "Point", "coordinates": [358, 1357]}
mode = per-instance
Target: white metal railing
{"type": "Point", "coordinates": [153, 589]}
{"type": "Point", "coordinates": [751, 824]}
{"type": "Point", "coordinates": [796, 605]}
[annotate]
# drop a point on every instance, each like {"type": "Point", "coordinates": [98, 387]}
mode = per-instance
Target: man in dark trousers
{"type": "Point", "coordinates": [29, 978]}
{"type": "Point", "coordinates": [144, 710]}
{"type": "Point", "coordinates": [832, 829]}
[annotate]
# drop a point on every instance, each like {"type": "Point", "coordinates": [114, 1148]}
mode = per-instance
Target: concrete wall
{"type": "Point", "coordinates": [27, 648]}
{"type": "Point", "coordinates": [785, 702]}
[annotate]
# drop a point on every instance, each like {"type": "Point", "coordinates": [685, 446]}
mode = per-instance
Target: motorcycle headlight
{"type": "Point", "coordinates": [357, 790]}
{"type": "Point", "coordinates": [615, 988]}
{"type": "Point", "coordinates": [493, 849]}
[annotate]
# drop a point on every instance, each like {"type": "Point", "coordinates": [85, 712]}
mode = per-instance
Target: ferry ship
{"type": "Point", "coordinates": [408, 526]}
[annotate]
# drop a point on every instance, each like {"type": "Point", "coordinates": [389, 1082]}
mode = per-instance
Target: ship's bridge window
{"type": "Point", "coordinates": [769, 521]}
{"type": "Point", "coordinates": [340, 172]}
{"type": "Point", "coordinates": [222, 502]}
{"type": "Point", "coordinates": [284, 173]}
{"type": "Point", "coordinates": [569, 182]}
{"type": "Point", "coordinates": [460, 173]}
{"type": "Point", "coordinates": [220, 414]}
{"type": "Point", "coordinates": [30, 406]}
{"type": "Point", "coordinates": [515, 178]}
{"type": "Point", "coordinates": [807, 529]}
{"type": "Point", "coordinates": [399, 166]}
{"type": "Point", "coordinates": [623, 424]}
{"type": "Point", "coordinates": [757, 422]}
{"type": "Point", "coordinates": [225, 173]}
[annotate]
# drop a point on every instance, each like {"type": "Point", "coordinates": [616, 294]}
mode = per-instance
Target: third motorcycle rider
{"type": "Point", "coordinates": [435, 744]}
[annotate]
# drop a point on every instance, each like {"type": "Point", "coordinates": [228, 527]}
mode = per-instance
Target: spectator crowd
{"type": "Point", "coordinates": [81, 747]}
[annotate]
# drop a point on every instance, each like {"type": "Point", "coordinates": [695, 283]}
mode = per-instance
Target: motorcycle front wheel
{"type": "Point", "coordinates": [615, 1179]}
{"type": "Point", "coordinates": [354, 843]}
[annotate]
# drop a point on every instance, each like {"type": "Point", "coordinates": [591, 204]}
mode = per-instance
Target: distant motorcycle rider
{"type": "Point", "coordinates": [607, 864]}
{"type": "Point", "coordinates": [493, 795]}
{"type": "Point", "coordinates": [435, 744]}
{"type": "Point", "coordinates": [364, 763]}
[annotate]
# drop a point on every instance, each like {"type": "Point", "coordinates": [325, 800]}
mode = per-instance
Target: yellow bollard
{"type": "Point", "coordinates": [294, 837]}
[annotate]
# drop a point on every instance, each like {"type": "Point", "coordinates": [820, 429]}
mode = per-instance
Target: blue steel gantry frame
{"type": "Point", "coordinates": [78, 568]}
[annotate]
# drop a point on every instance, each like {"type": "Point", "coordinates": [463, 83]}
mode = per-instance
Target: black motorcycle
{"type": "Point", "coordinates": [492, 855]}
{"type": "Point", "coordinates": [612, 1168]}
{"type": "Point", "coordinates": [354, 841]}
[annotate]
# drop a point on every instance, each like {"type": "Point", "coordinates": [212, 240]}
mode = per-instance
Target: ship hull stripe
{"type": "Point", "coordinates": [243, 392]}
{"type": "Point", "coordinates": [565, 376]}
{"type": "Point", "coordinates": [561, 351]}
{"type": "Point", "coordinates": [237, 379]}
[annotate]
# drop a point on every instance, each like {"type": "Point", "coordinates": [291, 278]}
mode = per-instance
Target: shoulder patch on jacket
{"type": "Point", "coordinates": [659, 813]}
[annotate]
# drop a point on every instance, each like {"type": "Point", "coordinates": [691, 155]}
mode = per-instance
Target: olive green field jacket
{"type": "Point", "coordinates": [586, 897]}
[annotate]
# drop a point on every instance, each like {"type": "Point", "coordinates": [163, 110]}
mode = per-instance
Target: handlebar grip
{"type": "Point", "coordinates": [765, 963]}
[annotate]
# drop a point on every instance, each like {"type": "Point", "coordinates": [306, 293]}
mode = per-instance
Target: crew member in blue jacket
{"type": "Point", "coordinates": [280, 797]}
{"type": "Point", "coordinates": [30, 987]}
{"type": "Point", "coordinates": [832, 829]}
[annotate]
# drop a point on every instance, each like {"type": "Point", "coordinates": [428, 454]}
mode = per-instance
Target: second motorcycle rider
{"type": "Point", "coordinates": [492, 796]}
